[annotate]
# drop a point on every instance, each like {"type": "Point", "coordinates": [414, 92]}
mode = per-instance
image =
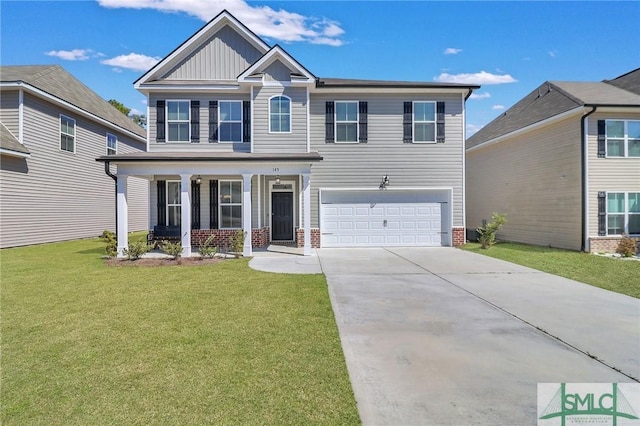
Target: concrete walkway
{"type": "Point", "coordinates": [444, 336]}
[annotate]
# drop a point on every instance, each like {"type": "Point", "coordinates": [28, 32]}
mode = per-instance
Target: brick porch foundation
{"type": "Point", "coordinates": [604, 244]}
{"type": "Point", "coordinates": [315, 237]}
{"type": "Point", "coordinates": [458, 237]}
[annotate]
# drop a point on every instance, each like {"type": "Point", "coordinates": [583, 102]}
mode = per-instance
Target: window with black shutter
{"type": "Point", "coordinates": [195, 205]}
{"type": "Point", "coordinates": [195, 121]}
{"type": "Point", "coordinates": [162, 202]}
{"type": "Point", "coordinates": [363, 121]}
{"type": "Point", "coordinates": [602, 213]}
{"type": "Point", "coordinates": [407, 123]}
{"type": "Point", "coordinates": [440, 122]}
{"type": "Point", "coordinates": [246, 121]}
{"type": "Point", "coordinates": [329, 122]}
{"type": "Point", "coordinates": [213, 204]}
{"type": "Point", "coordinates": [602, 138]}
{"type": "Point", "coordinates": [213, 121]}
{"type": "Point", "coordinates": [160, 122]}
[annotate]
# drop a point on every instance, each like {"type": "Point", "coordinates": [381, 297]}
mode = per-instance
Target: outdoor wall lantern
{"type": "Point", "coordinates": [384, 183]}
{"type": "Point", "coordinates": [199, 179]}
{"type": "Point", "coordinates": [278, 180]}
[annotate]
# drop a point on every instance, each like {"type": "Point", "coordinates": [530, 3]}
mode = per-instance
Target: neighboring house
{"type": "Point", "coordinates": [563, 164]}
{"type": "Point", "coordinates": [52, 129]}
{"type": "Point", "coordinates": [242, 136]}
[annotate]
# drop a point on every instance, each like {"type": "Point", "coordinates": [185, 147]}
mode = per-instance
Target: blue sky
{"type": "Point", "coordinates": [507, 47]}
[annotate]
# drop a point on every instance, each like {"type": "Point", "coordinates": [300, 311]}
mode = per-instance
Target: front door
{"type": "Point", "coordinates": [282, 216]}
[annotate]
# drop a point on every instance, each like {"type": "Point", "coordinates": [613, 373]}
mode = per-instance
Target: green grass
{"type": "Point", "coordinates": [622, 276]}
{"type": "Point", "coordinates": [85, 343]}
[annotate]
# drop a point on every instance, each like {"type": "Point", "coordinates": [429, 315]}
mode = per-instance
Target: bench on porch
{"type": "Point", "coordinates": [163, 232]}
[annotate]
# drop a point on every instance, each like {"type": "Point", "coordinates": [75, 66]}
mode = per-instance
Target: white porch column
{"type": "Point", "coordinates": [185, 214]}
{"type": "Point", "coordinates": [246, 214]}
{"type": "Point", "coordinates": [306, 198]}
{"type": "Point", "coordinates": [123, 215]}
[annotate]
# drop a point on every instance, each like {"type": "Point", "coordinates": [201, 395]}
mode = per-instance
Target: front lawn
{"type": "Point", "coordinates": [622, 276]}
{"type": "Point", "coordinates": [87, 343]}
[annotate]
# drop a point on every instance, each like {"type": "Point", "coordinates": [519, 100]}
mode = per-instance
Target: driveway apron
{"type": "Point", "coordinates": [442, 336]}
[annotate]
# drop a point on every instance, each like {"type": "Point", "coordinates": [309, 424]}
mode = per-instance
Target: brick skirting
{"type": "Point", "coordinates": [604, 244]}
{"type": "Point", "coordinates": [315, 237]}
{"type": "Point", "coordinates": [458, 237]}
{"type": "Point", "coordinates": [259, 237]}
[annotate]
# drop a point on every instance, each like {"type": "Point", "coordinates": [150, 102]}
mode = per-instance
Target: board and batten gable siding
{"type": "Point", "coordinates": [204, 145]}
{"type": "Point", "coordinates": [362, 165]}
{"type": "Point", "coordinates": [9, 105]}
{"type": "Point", "coordinates": [535, 179]}
{"type": "Point", "coordinates": [223, 56]}
{"type": "Point", "coordinates": [608, 174]}
{"type": "Point", "coordinates": [277, 71]}
{"type": "Point", "coordinates": [296, 140]}
{"type": "Point", "coordinates": [57, 195]}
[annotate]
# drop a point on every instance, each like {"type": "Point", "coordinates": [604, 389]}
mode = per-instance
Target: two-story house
{"type": "Point", "coordinates": [563, 163]}
{"type": "Point", "coordinates": [243, 136]}
{"type": "Point", "coordinates": [52, 127]}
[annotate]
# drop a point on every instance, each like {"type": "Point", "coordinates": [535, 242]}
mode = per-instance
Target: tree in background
{"type": "Point", "coordinates": [120, 107]}
{"type": "Point", "coordinates": [139, 119]}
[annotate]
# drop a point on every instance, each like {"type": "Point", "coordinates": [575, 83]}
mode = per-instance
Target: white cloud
{"type": "Point", "coordinates": [263, 20]}
{"type": "Point", "coordinates": [135, 112]}
{"type": "Point", "coordinates": [553, 53]}
{"type": "Point", "coordinates": [498, 107]}
{"type": "Point", "coordinates": [484, 95]}
{"type": "Point", "coordinates": [481, 77]}
{"type": "Point", "coordinates": [452, 51]}
{"type": "Point", "coordinates": [132, 61]}
{"type": "Point", "coordinates": [71, 55]}
{"type": "Point", "coordinates": [472, 128]}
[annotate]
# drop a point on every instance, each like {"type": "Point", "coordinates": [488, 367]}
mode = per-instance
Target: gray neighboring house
{"type": "Point", "coordinates": [563, 163]}
{"type": "Point", "coordinates": [52, 127]}
{"type": "Point", "coordinates": [244, 137]}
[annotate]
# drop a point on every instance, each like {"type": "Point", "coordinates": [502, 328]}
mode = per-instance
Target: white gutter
{"type": "Point", "coordinates": [464, 172]}
{"type": "Point", "coordinates": [14, 153]}
{"type": "Point", "coordinates": [21, 116]}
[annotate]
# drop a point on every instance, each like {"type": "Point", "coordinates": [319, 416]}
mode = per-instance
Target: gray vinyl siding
{"type": "Point", "coordinates": [204, 145]}
{"type": "Point", "coordinates": [9, 104]}
{"type": "Point", "coordinates": [277, 71]}
{"type": "Point", "coordinates": [535, 179]}
{"type": "Point", "coordinates": [224, 56]}
{"type": "Point", "coordinates": [296, 140]}
{"type": "Point", "coordinates": [608, 174]}
{"type": "Point", "coordinates": [56, 195]}
{"type": "Point", "coordinates": [362, 165]}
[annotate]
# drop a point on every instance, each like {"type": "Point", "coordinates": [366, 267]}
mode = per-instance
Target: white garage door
{"type": "Point", "coordinates": [380, 224]}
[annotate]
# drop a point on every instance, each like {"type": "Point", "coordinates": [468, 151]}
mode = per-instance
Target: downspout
{"type": "Point", "coordinates": [107, 170]}
{"type": "Point", "coordinates": [585, 184]}
{"type": "Point", "coordinates": [468, 94]}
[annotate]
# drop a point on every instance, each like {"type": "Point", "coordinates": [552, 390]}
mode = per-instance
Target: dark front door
{"type": "Point", "coordinates": [282, 216]}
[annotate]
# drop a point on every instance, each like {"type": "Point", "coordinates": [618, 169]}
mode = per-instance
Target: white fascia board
{"type": "Point", "coordinates": [212, 27]}
{"type": "Point", "coordinates": [535, 126]}
{"type": "Point", "coordinates": [53, 99]}
{"type": "Point", "coordinates": [212, 168]}
{"type": "Point", "coordinates": [276, 54]}
{"type": "Point", "coordinates": [391, 90]}
{"type": "Point", "coordinates": [14, 153]}
{"type": "Point", "coordinates": [377, 189]}
{"type": "Point", "coordinates": [159, 88]}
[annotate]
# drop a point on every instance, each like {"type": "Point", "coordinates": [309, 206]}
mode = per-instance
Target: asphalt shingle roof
{"type": "Point", "coordinates": [9, 142]}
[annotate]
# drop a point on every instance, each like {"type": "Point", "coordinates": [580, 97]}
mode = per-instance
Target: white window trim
{"type": "Point", "coordinates": [220, 102]}
{"type": "Point", "coordinates": [60, 133]}
{"type": "Point", "coordinates": [166, 223]}
{"type": "Point", "coordinates": [335, 121]}
{"type": "Point", "coordinates": [116, 147]}
{"type": "Point", "coordinates": [279, 132]}
{"type": "Point", "coordinates": [435, 122]}
{"type": "Point", "coordinates": [220, 203]}
{"type": "Point", "coordinates": [626, 212]}
{"type": "Point", "coordinates": [188, 121]}
{"type": "Point", "coordinates": [625, 138]}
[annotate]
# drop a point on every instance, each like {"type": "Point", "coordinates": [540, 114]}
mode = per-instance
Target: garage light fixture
{"type": "Point", "coordinates": [199, 179]}
{"type": "Point", "coordinates": [384, 183]}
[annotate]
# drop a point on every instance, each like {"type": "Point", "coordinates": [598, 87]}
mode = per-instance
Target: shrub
{"type": "Point", "coordinates": [112, 246]}
{"type": "Point", "coordinates": [136, 250]}
{"type": "Point", "coordinates": [627, 246]}
{"type": "Point", "coordinates": [172, 249]}
{"type": "Point", "coordinates": [236, 242]}
{"type": "Point", "coordinates": [207, 249]}
{"type": "Point", "coordinates": [487, 233]}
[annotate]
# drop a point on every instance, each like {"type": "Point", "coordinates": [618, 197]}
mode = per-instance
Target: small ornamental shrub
{"type": "Point", "coordinates": [627, 246]}
{"type": "Point", "coordinates": [172, 249]}
{"type": "Point", "coordinates": [136, 250]}
{"type": "Point", "coordinates": [236, 242]}
{"type": "Point", "coordinates": [487, 233]}
{"type": "Point", "coordinates": [110, 238]}
{"type": "Point", "coordinates": [207, 249]}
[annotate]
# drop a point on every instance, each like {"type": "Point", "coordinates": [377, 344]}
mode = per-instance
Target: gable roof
{"type": "Point", "coordinates": [55, 81]}
{"type": "Point", "coordinates": [553, 98]}
{"type": "Point", "coordinates": [277, 53]}
{"type": "Point", "coordinates": [629, 81]}
{"type": "Point", "coordinates": [9, 144]}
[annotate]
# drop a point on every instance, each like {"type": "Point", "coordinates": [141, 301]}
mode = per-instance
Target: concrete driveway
{"type": "Point", "coordinates": [443, 336]}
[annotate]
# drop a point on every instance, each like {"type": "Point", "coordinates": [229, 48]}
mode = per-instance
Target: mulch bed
{"type": "Point", "coordinates": [184, 261]}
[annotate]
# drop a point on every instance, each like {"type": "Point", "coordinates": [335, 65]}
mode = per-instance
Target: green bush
{"type": "Point", "coordinates": [112, 246]}
{"type": "Point", "coordinates": [172, 249]}
{"type": "Point", "coordinates": [136, 249]}
{"type": "Point", "coordinates": [627, 246]}
{"type": "Point", "coordinates": [236, 242]}
{"type": "Point", "coordinates": [207, 249]}
{"type": "Point", "coordinates": [487, 233]}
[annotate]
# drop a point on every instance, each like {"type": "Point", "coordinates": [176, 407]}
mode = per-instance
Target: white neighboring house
{"type": "Point", "coordinates": [52, 129]}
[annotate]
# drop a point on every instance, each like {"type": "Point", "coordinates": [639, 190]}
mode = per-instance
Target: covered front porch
{"type": "Point", "coordinates": [266, 196]}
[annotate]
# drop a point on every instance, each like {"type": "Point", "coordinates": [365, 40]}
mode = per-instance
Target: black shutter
{"type": "Point", "coordinates": [195, 205]}
{"type": "Point", "coordinates": [602, 213]}
{"type": "Point", "coordinates": [329, 122]}
{"type": "Point", "coordinates": [363, 122]}
{"type": "Point", "coordinates": [602, 138]}
{"type": "Point", "coordinates": [162, 202]}
{"type": "Point", "coordinates": [160, 124]}
{"type": "Point", "coordinates": [440, 122]}
{"type": "Point", "coordinates": [213, 121]}
{"type": "Point", "coordinates": [246, 121]}
{"type": "Point", "coordinates": [195, 121]}
{"type": "Point", "coordinates": [407, 123]}
{"type": "Point", "coordinates": [213, 204]}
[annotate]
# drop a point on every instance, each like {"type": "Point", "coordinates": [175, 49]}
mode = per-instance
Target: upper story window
{"type": "Point", "coordinates": [424, 122]}
{"type": "Point", "coordinates": [230, 121]}
{"type": "Point", "coordinates": [112, 144]}
{"type": "Point", "coordinates": [347, 121]}
{"type": "Point", "coordinates": [280, 114]}
{"type": "Point", "coordinates": [623, 213]}
{"type": "Point", "coordinates": [67, 134]}
{"type": "Point", "coordinates": [178, 121]}
{"type": "Point", "coordinates": [623, 138]}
